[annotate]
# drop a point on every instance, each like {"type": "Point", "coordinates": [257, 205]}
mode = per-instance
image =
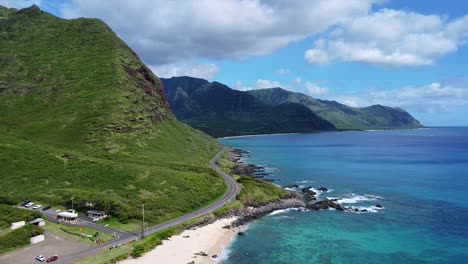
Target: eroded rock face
{"type": "Point", "coordinates": [153, 87]}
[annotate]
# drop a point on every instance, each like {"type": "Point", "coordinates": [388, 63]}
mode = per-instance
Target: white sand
{"type": "Point", "coordinates": [210, 239]}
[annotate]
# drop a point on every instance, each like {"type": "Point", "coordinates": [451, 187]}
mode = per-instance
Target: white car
{"type": "Point", "coordinates": [28, 205]}
{"type": "Point", "coordinates": [40, 258]}
{"type": "Point", "coordinates": [37, 206]}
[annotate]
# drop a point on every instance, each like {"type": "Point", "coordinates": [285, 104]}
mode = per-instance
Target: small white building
{"type": "Point", "coordinates": [97, 214]}
{"type": "Point", "coordinates": [67, 217]}
{"type": "Point", "coordinates": [17, 225]}
{"type": "Point", "coordinates": [38, 222]}
{"type": "Point", "coordinates": [37, 239]}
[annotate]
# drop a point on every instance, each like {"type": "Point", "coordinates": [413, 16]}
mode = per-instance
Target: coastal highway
{"type": "Point", "coordinates": [233, 190]}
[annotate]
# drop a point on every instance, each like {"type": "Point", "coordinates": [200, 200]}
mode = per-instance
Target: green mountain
{"type": "Point", "coordinates": [221, 111]}
{"type": "Point", "coordinates": [340, 115]}
{"type": "Point", "coordinates": [83, 117]}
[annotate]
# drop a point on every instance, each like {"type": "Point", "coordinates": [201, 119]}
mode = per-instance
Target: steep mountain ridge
{"type": "Point", "coordinates": [221, 111]}
{"type": "Point", "coordinates": [340, 115]}
{"type": "Point", "coordinates": [83, 117]}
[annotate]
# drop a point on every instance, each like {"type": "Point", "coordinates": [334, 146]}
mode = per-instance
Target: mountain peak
{"type": "Point", "coordinates": [34, 9]}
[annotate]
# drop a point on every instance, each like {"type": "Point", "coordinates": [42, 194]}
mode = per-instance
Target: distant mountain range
{"type": "Point", "coordinates": [340, 115]}
{"type": "Point", "coordinates": [221, 111]}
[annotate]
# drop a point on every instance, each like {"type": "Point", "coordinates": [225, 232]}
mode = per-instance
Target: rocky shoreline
{"type": "Point", "coordinates": [304, 198]}
{"type": "Point", "coordinates": [250, 170]}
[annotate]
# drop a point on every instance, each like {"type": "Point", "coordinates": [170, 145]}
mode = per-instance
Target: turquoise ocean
{"type": "Point", "coordinates": [420, 177]}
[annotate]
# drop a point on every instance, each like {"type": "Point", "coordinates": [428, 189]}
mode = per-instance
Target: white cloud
{"type": "Point", "coordinates": [204, 71]}
{"type": "Point", "coordinates": [282, 71]}
{"type": "Point", "coordinates": [19, 3]}
{"type": "Point", "coordinates": [170, 31]}
{"type": "Point", "coordinates": [262, 84]}
{"type": "Point", "coordinates": [316, 56]}
{"type": "Point", "coordinates": [431, 98]}
{"type": "Point", "coordinates": [392, 38]}
{"type": "Point", "coordinates": [314, 89]}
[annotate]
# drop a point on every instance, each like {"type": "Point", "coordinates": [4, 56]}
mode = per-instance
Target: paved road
{"type": "Point", "coordinates": [233, 190]}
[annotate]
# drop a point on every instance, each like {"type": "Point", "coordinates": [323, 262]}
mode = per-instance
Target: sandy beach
{"type": "Point", "coordinates": [210, 239]}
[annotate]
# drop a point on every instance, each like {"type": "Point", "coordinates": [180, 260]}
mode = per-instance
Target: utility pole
{"type": "Point", "coordinates": [143, 223]}
{"type": "Point", "coordinates": [72, 202]}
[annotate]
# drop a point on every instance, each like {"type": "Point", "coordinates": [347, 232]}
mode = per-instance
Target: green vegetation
{"type": "Point", "coordinates": [220, 111]}
{"type": "Point", "coordinates": [83, 117]}
{"type": "Point", "coordinates": [342, 116]}
{"type": "Point", "coordinates": [150, 242]}
{"type": "Point", "coordinates": [254, 192]}
{"type": "Point", "coordinates": [109, 256]}
{"type": "Point", "coordinates": [257, 192]}
{"type": "Point", "coordinates": [9, 214]}
{"type": "Point", "coordinates": [74, 232]}
{"type": "Point", "coordinates": [114, 223]}
{"type": "Point", "coordinates": [19, 238]}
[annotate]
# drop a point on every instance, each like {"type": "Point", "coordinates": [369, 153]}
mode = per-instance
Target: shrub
{"type": "Point", "coordinates": [152, 241]}
{"type": "Point", "coordinates": [121, 257]}
{"type": "Point", "coordinates": [19, 237]}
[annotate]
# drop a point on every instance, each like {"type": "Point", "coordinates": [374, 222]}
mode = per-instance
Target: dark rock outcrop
{"type": "Point", "coordinates": [257, 213]}
{"type": "Point", "coordinates": [291, 186]}
{"type": "Point", "coordinates": [324, 205]}
{"type": "Point", "coordinates": [323, 189]}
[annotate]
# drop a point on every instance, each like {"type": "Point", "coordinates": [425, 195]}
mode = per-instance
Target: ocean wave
{"type": "Point", "coordinates": [306, 181]}
{"type": "Point", "coordinates": [319, 192]}
{"type": "Point", "coordinates": [354, 198]}
{"type": "Point", "coordinates": [282, 211]}
{"type": "Point", "coordinates": [223, 256]}
{"type": "Point", "coordinates": [364, 209]}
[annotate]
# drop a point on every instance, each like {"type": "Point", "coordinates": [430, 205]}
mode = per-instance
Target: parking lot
{"type": "Point", "coordinates": [52, 245]}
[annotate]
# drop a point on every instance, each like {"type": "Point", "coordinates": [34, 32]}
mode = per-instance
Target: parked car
{"type": "Point", "coordinates": [40, 258]}
{"type": "Point", "coordinates": [37, 206]}
{"type": "Point", "coordinates": [28, 204]}
{"type": "Point", "coordinates": [47, 207]}
{"type": "Point", "coordinates": [52, 259]}
{"type": "Point", "coordinates": [25, 203]}
{"type": "Point", "coordinates": [95, 219]}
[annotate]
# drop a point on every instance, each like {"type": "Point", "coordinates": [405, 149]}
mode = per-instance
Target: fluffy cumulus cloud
{"type": "Point", "coordinates": [204, 71]}
{"type": "Point", "coordinates": [314, 89]}
{"type": "Point", "coordinates": [391, 38]}
{"type": "Point", "coordinates": [165, 32]}
{"type": "Point", "coordinates": [431, 98]}
{"type": "Point", "coordinates": [19, 3]}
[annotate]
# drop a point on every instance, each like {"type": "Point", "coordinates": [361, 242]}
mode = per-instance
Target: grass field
{"type": "Point", "coordinates": [74, 232]}
{"type": "Point", "coordinates": [83, 117]}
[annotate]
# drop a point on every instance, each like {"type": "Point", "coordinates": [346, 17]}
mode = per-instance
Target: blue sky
{"type": "Point", "coordinates": [409, 54]}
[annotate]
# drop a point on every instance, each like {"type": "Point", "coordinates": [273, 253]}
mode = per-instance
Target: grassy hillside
{"type": "Point", "coordinates": [342, 116]}
{"type": "Point", "coordinates": [83, 117]}
{"type": "Point", "coordinates": [220, 111]}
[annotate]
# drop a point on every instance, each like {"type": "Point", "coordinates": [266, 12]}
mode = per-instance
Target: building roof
{"type": "Point", "coordinates": [96, 212]}
{"type": "Point", "coordinates": [68, 215]}
{"type": "Point", "coordinates": [35, 221]}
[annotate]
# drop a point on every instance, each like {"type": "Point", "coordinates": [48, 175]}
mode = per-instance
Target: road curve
{"type": "Point", "coordinates": [233, 190]}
